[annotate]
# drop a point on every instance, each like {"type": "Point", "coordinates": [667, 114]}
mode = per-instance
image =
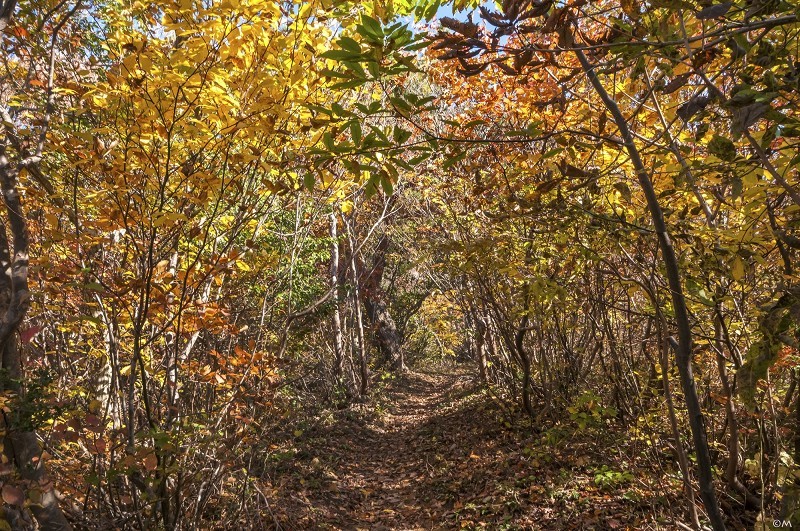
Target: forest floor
{"type": "Point", "coordinates": [436, 453]}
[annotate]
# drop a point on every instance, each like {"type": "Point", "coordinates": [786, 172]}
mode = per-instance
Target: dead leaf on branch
{"type": "Point", "coordinates": [715, 11]}
{"type": "Point", "coordinates": [746, 116]}
{"type": "Point", "coordinates": [676, 83]}
{"type": "Point", "coordinates": [467, 29]}
{"type": "Point", "coordinates": [692, 107]}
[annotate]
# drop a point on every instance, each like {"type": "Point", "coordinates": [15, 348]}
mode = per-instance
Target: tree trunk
{"type": "Point", "coordinates": [526, 368]}
{"type": "Point", "coordinates": [387, 336]}
{"type": "Point", "coordinates": [362, 349]}
{"type": "Point", "coordinates": [481, 335]}
{"type": "Point", "coordinates": [21, 444]}
{"type": "Point", "coordinates": [683, 346]}
{"type": "Point", "coordinates": [338, 342]}
{"type": "Point", "coordinates": [683, 461]}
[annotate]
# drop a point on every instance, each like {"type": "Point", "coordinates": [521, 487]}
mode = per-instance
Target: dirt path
{"type": "Point", "coordinates": [440, 457]}
{"type": "Point", "coordinates": [373, 475]}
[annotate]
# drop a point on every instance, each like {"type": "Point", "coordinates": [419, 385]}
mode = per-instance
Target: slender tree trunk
{"type": "Point", "coordinates": [683, 346]}
{"type": "Point", "coordinates": [526, 368]}
{"type": "Point", "coordinates": [519, 340]}
{"type": "Point", "coordinates": [362, 350]}
{"type": "Point", "coordinates": [107, 382]}
{"type": "Point", "coordinates": [734, 454]}
{"type": "Point", "coordinates": [338, 348]}
{"type": "Point", "coordinates": [481, 336]}
{"type": "Point", "coordinates": [683, 461]}
{"type": "Point", "coordinates": [171, 347]}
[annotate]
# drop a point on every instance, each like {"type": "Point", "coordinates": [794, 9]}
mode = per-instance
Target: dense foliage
{"type": "Point", "coordinates": [225, 216]}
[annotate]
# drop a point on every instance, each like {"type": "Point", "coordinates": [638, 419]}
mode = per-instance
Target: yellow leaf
{"type": "Point", "coordinates": [95, 406]}
{"type": "Point", "coordinates": [681, 68]}
{"type": "Point", "coordinates": [129, 63]}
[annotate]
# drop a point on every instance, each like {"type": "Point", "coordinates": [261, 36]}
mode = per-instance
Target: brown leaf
{"type": "Point", "coordinates": [12, 495]}
{"type": "Point", "coordinates": [748, 115]}
{"type": "Point", "coordinates": [505, 68]}
{"type": "Point", "coordinates": [714, 11]}
{"type": "Point", "coordinates": [692, 107]}
{"type": "Point", "coordinates": [676, 83]}
{"type": "Point", "coordinates": [150, 462]}
{"type": "Point", "coordinates": [547, 186]}
{"type": "Point", "coordinates": [467, 29]}
{"type": "Point", "coordinates": [569, 170]}
{"type": "Point", "coordinates": [552, 21]}
{"type": "Point", "coordinates": [631, 8]}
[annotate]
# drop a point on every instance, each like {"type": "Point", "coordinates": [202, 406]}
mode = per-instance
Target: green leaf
{"type": "Point", "coordinates": [419, 158]}
{"type": "Point", "coordinates": [372, 186]}
{"type": "Point", "coordinates": [449, 162]}
{"type": "Point", "coordinates": [428, 11]}
{"type": "Point", "coordinates": [374, 69]}
{"type": "Point", "coordinates": [340, 75]}
{"type": "Point", "coordinates": [400, 135]}
{"type": "Point", "coordinates": [355, 132]}
{"type": "Point", "coordinates": [351, 45]}
{"type": "Point", "coordinates": [371, 27]}
{"type": "Point", "coordinates": [352, 166]}
{"type": "Point", "coordinates": [319, 109]}
{"type": "Point", "coordinates": [379, 133]}
{"type": "Point", "coordinates": [473, 123]}
{"type": "Point", "coordinates": [340, 111]}
{"type": "Point", "coordinates": [355, 68]}
{"type": "Point", "coordinates": [340, 55]}
{"type": "Point", "coordinates": [552, 153]}
{"type": "Point", "coordinates": [327, 141]}
{"type": "Point", "coordinates": [400, 103]}
{"type": "Point", "coordinates": [722, 147]}
{"type": "Point", "coordinates": [417, 45]}
{"type": "Point", "coordinates": [386, 184]}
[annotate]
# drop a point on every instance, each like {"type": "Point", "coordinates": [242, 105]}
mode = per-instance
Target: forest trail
{"type": "Point", "coordinates": [378, 474]}
{"type": "Point", "coordinates": [441, 456]}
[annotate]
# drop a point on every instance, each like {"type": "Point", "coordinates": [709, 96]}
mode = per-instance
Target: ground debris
{"type": "Point", "coordinates": [442, 457]}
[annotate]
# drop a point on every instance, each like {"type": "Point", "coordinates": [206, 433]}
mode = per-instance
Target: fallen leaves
{"type": "Point", "coordinates": [439, 458]}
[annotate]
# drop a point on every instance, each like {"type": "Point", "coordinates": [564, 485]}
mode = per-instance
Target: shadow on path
{"type": "Point", "coordinates": [441, 458]}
